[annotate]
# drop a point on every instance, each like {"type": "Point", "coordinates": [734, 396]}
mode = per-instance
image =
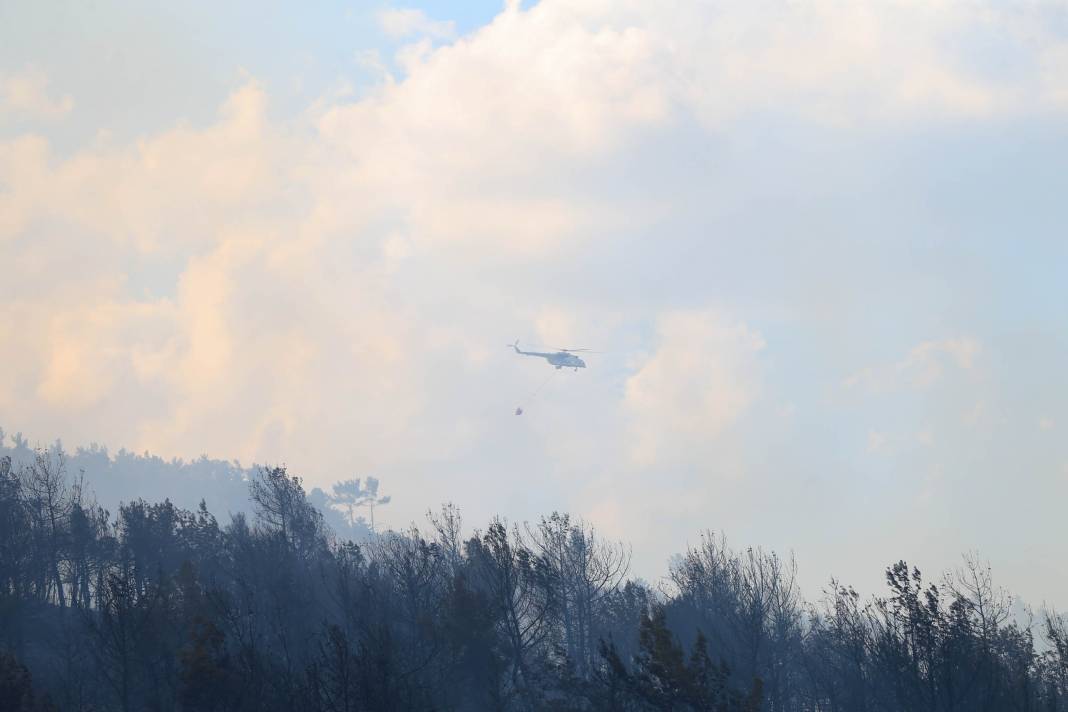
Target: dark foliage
{"type": "Point", "coordinates": [162, 608]}
{"type": "Point", "coordinates": [16, 688]}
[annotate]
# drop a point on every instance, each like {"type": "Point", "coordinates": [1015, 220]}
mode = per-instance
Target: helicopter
{"type": "Point", "coordinates": [564, 358]}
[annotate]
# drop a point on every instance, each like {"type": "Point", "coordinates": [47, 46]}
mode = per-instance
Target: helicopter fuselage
{"type": "Point", "coordinates": [559, 359]}
{"type": "Point", "coordinates": [565, 360]}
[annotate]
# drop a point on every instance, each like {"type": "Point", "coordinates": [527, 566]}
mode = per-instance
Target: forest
{"type": "Point", "coordinates": [160, 607]}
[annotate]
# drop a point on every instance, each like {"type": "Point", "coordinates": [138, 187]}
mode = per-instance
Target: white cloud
{"type": "Point", "coordinates": [926, 361]}
{"type": "Point", "coordinates": [702, 376]}
{"type": "Point", "coordinates": [923, 366]}
{"type": "Point", "coordinates": [26, 95]}
{"type": "Point", "coordinates": [877, 441]}
{"type": "Point", "coordinates": [286, 234]}
{"type": "Point", "coordinates": [179, 188]}
{"type": "Point", "coordinates": [835, 63]}
{"type": "Point", "coordinates": [468, 157]}
{"type": "Point", "coordinates": [469, 147]}
{"type": "Point", "coordinates": [405, 22]}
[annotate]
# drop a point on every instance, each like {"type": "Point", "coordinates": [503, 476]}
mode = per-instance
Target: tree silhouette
{"type": "Point", "coordinates": [350, 495]}
{"type": "Point", "coordinates": [165, 608]}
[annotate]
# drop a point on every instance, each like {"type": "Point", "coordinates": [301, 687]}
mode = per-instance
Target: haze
{"type": "Point", "coordinates": [821, 247]}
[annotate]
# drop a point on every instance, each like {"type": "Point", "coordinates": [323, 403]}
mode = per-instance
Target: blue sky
{"type": "Point", "coordinates": [821, 247]}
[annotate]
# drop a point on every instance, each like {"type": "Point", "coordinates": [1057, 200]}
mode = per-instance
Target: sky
{"type": "Point", "coordinates": [820, 247]}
